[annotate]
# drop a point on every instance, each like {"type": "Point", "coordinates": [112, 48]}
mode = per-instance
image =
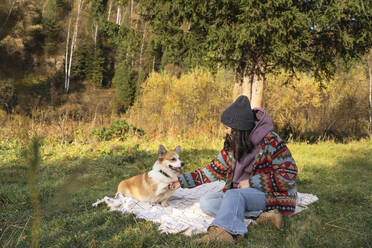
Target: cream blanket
{"type": "Point", "coordinates": [183, 215]}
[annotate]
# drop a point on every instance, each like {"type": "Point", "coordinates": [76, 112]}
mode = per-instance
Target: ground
{"type": "Point", "coordinates": [74, 175]}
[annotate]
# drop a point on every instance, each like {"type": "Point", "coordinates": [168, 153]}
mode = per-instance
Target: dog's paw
{"type": "Point", "coordinates": [164, 204]}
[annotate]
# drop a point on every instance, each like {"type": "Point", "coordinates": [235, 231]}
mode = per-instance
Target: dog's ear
{"type": "Point", "coordinates": [178, 150]}
{"type": "Point", "coordinates": [162, 151]}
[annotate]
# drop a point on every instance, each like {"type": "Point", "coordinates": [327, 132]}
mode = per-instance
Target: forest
{"type": "Point", "coordinates": [78, 61]}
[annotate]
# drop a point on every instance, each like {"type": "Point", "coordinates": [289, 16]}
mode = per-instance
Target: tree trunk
{"type": "Point", "coordinates": [243, 86]}
{"type": "Point", "coordinates": [109, 11]}
{"type": "Point", "coordinates": [131, 12]}
{"type": "Point", "coordinates": [369, 64]}
{"type": "Point", "coordinates": [142, 46]}
{"type": "Point", "coordinates": [257, 91]}
{"type": "Point", "coordinates": [251, 86]}
{"type": "Point", "coordinates": [73, 43]}
{"type": "Point", "coordinates": [95, 35]}
{"type": "Point", "coordinates": [67, 55]}
{"type": "Point", "coordinates": [118, 15]}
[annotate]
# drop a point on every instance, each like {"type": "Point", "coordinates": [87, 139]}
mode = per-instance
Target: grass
{"type": "Point", "coordinates": [72, 176]}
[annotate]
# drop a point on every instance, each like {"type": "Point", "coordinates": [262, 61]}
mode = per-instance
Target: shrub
{"type": "Point", "coordinates": [8, 98]}
{"type": "Point", "coordinates": [3, 117]}
{"type": "Point", "coordinates": [188, 104]}
{"type": "Point", "coordinates": [304, 110]}
{"type": "Point", "coordinates": [118, 129]}
{"type": "Point", "coordinates": [300, 107]}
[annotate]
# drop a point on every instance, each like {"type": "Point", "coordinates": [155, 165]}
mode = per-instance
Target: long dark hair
{"type": "Point", "coordinates": [238, 142]}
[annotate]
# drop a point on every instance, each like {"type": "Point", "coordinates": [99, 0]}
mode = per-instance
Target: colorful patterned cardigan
{"type": "Point", "coordinates": [274, 172]}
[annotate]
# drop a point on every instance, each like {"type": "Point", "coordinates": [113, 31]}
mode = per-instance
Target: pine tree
{"type": "Point", "coordinates": [124, 83]}
{"type": "Point", "coordinates": [127, 44]}
{"type": "Point", "coordinates": [51, 28]}
{"type": "Point", "coordinates": [95, 60]}
{"type": "Point", "coordinates": [258, 37]}
{"type": "Point", "coordinates": [95, 65]}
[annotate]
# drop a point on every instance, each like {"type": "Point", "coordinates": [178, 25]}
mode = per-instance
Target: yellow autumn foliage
{"type": "Point", "coordinates": [168, 104]}
{"type": "Point", "coordinates": [300, 109]}
{"type": "Point", "coordinates": [305, 110]}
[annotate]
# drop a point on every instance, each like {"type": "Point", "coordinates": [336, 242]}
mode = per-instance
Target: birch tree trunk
{"type": "Point", "coordinates": [73, 44]}
{"type": "Point", "coordinates": [131, 12]}
{"type": "Point", "coordinates": [109, 11]}
{"type": "Point", "coordinates": [95, 35]}
{"type": "Point", "coordinates": [118, 16]}
{"type": "Point", "coordinates": [67, 54]}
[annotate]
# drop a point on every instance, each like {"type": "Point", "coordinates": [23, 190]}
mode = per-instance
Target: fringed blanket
{"type": "Point", "coordinates": [183, 215]}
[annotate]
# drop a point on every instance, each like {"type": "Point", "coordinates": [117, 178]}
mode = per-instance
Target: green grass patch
{"type": "Point", "coordinates": [73, 176]}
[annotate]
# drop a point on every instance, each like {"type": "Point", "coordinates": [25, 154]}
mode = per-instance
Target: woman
{"type": "Point", "coordinates": [259, 170]}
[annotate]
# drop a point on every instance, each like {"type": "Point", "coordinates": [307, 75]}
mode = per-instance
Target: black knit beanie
{"type": "Point", "coordinates": [239, 115]}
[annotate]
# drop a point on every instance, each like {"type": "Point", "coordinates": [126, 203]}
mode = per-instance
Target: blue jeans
{"type": "Point", "coordinates": [231, 207]}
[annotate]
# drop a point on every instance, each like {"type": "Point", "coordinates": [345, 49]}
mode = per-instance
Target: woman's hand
{"type": "Point", "coordinates": [174, 185]}
{"type": "Point", "coordinates": [244, 184]}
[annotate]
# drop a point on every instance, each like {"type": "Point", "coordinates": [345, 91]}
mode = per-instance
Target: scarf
{"type": "Point", "coordinates": [243, 167]}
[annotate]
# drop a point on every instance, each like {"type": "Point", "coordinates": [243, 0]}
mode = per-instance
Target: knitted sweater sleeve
{"type": "Point", "coordinates": [216, 169]}
{"type": "Point", "coordinates": [275, 169]}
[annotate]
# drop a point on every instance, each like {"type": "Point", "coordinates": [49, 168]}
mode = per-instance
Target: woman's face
{"type": "Point", "coordinates": [227, 130]}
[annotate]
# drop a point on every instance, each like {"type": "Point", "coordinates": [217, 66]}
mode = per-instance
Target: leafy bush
{"type": "Point", "coordinates": [189, 104]}
{"type": "Point", "coordinates": [8, 96]}
{"type": "Point", "coordinates": [305, 111]}
{"type": "Point", "coordinates": [3, 117]}
{"type": "Point", "coordinates": [300, 107]}
{"type": "Point", "coordinates": [118, 129]}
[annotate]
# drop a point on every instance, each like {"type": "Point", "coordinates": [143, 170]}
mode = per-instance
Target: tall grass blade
{"type": "Point", "coordinates": [33, 160]}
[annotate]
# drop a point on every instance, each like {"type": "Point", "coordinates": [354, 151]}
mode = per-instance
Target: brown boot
{"type": "Point", "coordinates": [216, 233]}
{"type": "Point", "coordinates": [273, 217]}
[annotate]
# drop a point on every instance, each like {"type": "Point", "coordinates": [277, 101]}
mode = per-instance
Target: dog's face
{"type": "Point", "coordinates": [170, 161]}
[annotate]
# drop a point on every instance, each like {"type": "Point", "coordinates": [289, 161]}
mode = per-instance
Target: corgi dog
{"type": "Point", "coordinates": [154, 186]}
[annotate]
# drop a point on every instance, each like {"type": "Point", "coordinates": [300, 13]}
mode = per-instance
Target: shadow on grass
{"type": "Point", "coordinates": [343, 215]}
{"type": "Point", "coordinates": [67, 190]}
